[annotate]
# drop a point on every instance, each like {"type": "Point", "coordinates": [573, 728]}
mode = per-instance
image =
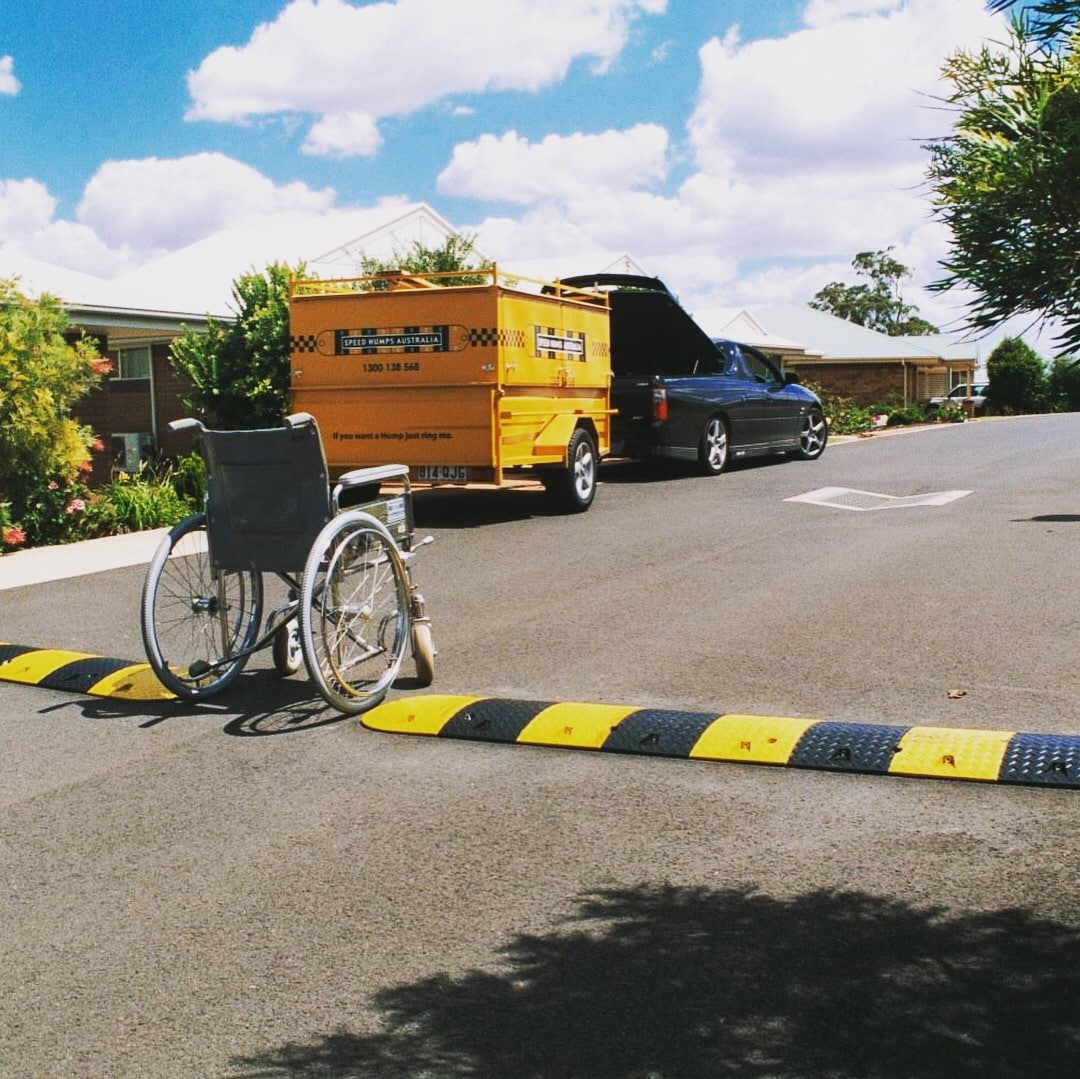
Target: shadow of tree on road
{"type": "Point", "coordinates": [665, 982]}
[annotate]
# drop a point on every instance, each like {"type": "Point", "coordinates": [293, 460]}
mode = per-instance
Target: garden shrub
{"type": "Point", "coordinates": [950, 414]}
{"type": "Point", "coordinates": [188, 478]}
{"type": "Point", "coordinates": [1017, 378]}
{"type": "Point", "coordinates": [142, 500]}
{"type": "Point", "coordinates": [1065, 384]}
{"type": "Point", "coordinates": [42, 375]}
{"type": "Point", "coordinates": [904, 415]}
{"type": "Point", "coordinates": [843, 415]}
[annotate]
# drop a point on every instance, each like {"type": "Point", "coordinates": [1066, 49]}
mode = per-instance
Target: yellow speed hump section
{"type": "Point", "coordinates": [876, 749]}
{"type": "Point", "coordinates": [990, 756]}
{"type": "Point", "coordinates": [80, 672]}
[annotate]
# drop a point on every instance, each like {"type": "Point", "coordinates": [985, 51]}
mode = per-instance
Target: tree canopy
{"type": "Point", "coordinates": [877, 305]}
{"type": "Point", "coordinates": [1006, 181]}
{"type": "Point", "coordinates": [1047, 21]}
{"type": "Point", "coordinates": [1018, 378]}
{"type": "Point", "coordinates": [455, 253]}
{"type": "Point", "coordinates": [239, 371]}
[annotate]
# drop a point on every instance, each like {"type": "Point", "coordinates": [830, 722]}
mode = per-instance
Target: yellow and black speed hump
{"type": "Point", "coordinates": [937, 752]}
{"type": "Point", "coordinates": [80, 672]}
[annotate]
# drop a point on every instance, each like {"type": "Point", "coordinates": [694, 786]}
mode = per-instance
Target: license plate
{"type": "Point", "coordinates": [442, 473]}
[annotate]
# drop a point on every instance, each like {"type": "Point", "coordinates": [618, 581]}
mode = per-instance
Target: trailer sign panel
{"type": "Point", "coordinates": [408, 339]}
{"type": "Point", "coordinates": [552, 341]}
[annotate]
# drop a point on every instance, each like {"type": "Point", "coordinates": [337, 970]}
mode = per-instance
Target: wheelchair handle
{"type": "Point", "coordinates": [186, 424]}
{"type": "Point", "coordinates": [297, 419]}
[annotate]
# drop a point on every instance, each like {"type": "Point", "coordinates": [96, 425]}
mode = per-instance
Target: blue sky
{"type": "Point", "coordinates": [745, 151]}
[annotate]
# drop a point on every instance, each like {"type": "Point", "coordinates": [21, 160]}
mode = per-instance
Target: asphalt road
{"type": "Point", "coordinates": [258, 888]}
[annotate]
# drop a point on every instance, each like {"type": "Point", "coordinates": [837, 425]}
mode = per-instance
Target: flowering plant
{"type": "Point", "coordinates": [11, 535]}
{"type": "Point", "coordinates": [60, 511]}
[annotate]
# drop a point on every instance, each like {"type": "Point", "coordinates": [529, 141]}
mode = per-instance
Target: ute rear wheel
{"type": "Point", "coordinates": [713, 447]}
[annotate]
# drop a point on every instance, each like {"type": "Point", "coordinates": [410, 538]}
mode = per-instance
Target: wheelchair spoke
{"type": "Point", "coordinates": [196, 619]}
{"type": "Point", "coordinates": [355, 618]}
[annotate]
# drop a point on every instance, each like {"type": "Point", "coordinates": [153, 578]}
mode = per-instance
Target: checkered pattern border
{"type": "Point", "coordinates": [487, 336]}
{"type": "Point", "coordinates": [304, 343]}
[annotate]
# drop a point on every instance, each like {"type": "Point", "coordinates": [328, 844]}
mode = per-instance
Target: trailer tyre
{"type": "Point", "coordinates": [572, 489]}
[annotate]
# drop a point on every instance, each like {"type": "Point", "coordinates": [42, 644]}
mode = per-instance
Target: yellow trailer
{"type": "Point", "coordinates": [464, 383]}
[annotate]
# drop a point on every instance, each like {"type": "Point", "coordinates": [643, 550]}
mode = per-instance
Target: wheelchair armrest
{"type": "Point", "coordinates": [361, 477]}
{"type": "Point", "coordinates": [186, 424]}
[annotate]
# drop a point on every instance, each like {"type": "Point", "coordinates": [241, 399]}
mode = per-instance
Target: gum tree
{"type": "Point", "coordinates": [455, 253]}
{"type": "Point", "coordinates": [878, 304]}
{"type": "Point", "coordinates": [1006, 181]}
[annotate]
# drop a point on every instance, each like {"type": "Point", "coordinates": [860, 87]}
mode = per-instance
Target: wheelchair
{"type": "Point", "coordinates": [344, 553]}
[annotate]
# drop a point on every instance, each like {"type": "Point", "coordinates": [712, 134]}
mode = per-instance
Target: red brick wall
{"type": "Point", "coordinates": [865, 383]}
{"type": "Point", "coordinates": [171, 389]}
{"type": "Point", "coordinates": [118, 406]}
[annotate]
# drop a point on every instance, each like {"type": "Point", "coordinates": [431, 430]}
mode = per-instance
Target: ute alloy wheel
{"type": "Point", "coordinates": [713, 449]}
{"type": "Point", "coordinates": [813, 435]}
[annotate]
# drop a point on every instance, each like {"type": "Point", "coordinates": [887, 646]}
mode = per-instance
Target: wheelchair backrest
{"type": "Point", "coordinates": [267, 496]}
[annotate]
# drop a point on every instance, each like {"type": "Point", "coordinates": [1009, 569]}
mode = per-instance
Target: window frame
{"type": "Point", "coordinates": [120, 376]}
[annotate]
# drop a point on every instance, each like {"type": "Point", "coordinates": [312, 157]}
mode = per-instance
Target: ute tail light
{"type": "Point", "coordinates": [659, 404]}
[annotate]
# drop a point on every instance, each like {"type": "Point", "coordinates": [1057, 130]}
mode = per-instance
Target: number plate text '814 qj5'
{"type": "Point", "coordinates": [442, 473]}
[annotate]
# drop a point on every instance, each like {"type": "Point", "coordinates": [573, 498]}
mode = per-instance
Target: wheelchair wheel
{"type": "Point", "coordinates": [195, 619]}
{"type": "Point", "coordinates": [287, 653]}
{"type": "Point", "coordinates": [423, 652]}
{"type": "Point", "coordinates": [354, 611]}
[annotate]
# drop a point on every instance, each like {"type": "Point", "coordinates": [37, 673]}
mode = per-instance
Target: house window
{"type": "Point", "coordinates": [133, 363]}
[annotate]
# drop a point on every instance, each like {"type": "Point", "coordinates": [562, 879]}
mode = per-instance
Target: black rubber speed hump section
{"type": "Point", "coordinates": [987, 756]}
{"type": "Point", "coordinates": [80, 672]}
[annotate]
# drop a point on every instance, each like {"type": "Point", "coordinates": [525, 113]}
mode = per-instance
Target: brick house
{"type": "Point", "coordinates": [132, 408]}
{"type": "Point", "coordinates": [850, 360]}
{"type": "Point", "coordinates": [134, 318]}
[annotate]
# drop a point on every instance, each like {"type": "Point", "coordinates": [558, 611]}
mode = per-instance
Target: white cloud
{"type": "Point", "coordinates": [133, 211]}
{"type": "Point", "coordinates": [801, 215]}
{"type": "Point", "coordinates": [8, 83]}
{"type": "Point", "coordinates": [27, 224]}
{"type": "Point", "coordinates": [804, 151]}
{"type": "Point", "coordinates": [562, 167]}
{"type": "Point", "coordinates": [25, 207]}
{"type": "Point", "coordinates": [827, 12]}
{"type": "Point", "coordinates": [333, 59]}
{"type": "Point", "coordinates": [167, 203]}
{"type": "Point", "coordinates": [854, 92]}
{"type": "Point", "coordinates": [343, 134]}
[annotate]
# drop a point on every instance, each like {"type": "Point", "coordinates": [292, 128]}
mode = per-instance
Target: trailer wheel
{"type": "Point", "coordinates": [572, 489]}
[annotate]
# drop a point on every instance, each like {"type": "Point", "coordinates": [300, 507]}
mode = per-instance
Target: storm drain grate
{"type": "Point", "coordinates": [847, 498]}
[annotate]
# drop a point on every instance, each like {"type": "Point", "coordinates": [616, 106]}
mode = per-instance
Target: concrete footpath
{"type": "Point", "coordinates": [40, 564]}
